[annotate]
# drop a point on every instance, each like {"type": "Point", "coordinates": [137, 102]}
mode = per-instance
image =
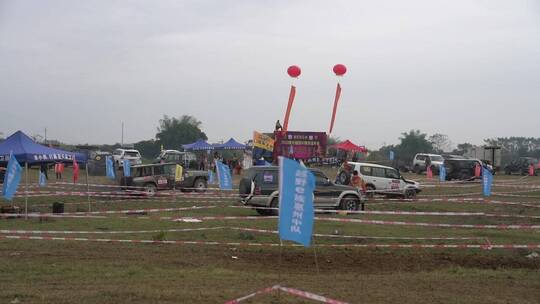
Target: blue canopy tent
{"type": "Point", "coordinates": [28, 151]}
{"type": "Point", "coordinates": [231, 144]}
{"type": "Point", "coordinates": [199, 145]}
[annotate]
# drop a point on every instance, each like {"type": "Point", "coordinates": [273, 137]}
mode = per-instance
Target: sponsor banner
{"type": "Point", "coordinates": [263, 141]}
{"type": "Point", "coordinates": [296, 186]}
{"type": "Point", "coordinates": [12, 178]}
{"type": "Point", "coordinates": [224, 176]}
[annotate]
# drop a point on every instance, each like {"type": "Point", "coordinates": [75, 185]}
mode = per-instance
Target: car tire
{"type": "Point", "coordinates": [370, 188]}
{"type": "Point", "coordinates": [150, 189]}
{"type": "Point", "coordinates": [200, 185]}
{"type": "Point", "coordinates": [344, 178]}
{"type": "Point", "coordinates": [410, 194]}
{"type": "Point", "coordinates": [274, 204]}
{"type": "Point", "coordinates": [417, 169]}
{"type": "Point", "coordinates": [349, 203]}
{"type": "Point", "coordinates": [244, 188]}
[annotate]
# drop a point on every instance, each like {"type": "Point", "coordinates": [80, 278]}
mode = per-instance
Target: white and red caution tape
{"type": "Point", "coordinates": [362, 221]}
{"type": "Point", "coordinates": [415, 213]}
{"type": "Point", "coordinates": [213, 243]}
{"type": "Point", "coordinates": [292, 291]}
{"type": "Point", "coordinates": [437, 225]}
{"type": "Point", "coordinates": [48, 232]}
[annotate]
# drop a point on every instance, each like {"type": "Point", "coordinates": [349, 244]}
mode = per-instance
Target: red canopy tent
{"type": "Point", "coordinates": [349, 146]}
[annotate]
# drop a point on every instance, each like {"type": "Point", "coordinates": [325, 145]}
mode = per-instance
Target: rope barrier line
{"type": "Point", "coordinates": [372, 222]}
{"type": "Point", "coordinates": [214, 243]}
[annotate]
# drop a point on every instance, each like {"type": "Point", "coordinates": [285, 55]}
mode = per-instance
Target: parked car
{"type": "Point", "coordinates": [386, 180]}
{"type": "Point", "coordinates": [463, 168]}
{"type": "Point", "coordinates": [186, 159]}
{"type": "Point", "coordinates": [419, 162]}
{"type": "Point", "coordinates": [259, 187]}
{"type": "Point", "coordinates": [156, 177]}
{"type": "Point", "coordinates": [521, 166]}
{"type": "Point", "coordinates": [131, 155]}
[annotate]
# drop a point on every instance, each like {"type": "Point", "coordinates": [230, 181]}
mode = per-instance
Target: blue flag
{"type": "Point", "coordinates": [296, 185]}
{"type": "Point", "coordinates": [487, 180]}
{"type": "Point", "coordinates": [391, 155]}
{"type": "Point", "coordinates": [109, 168]}
{"type": "Point", "coordinates": [42, 179]}
{"type": "Point", "coordinates": [11, 178]}
{"type": "Point", "coordinates": [210, 177]}
{"type": "Point", "coordinates": [442, 173]}
{"type": "Point", "coordinates": [127, 168]}
{"type": "Point", "coordinates": [224, 176]}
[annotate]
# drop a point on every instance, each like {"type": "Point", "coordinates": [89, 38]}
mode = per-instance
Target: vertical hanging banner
{"type": "Point", "coordinates": [293, 71]}
{"type": "Point", "coordinates": [339, 70]}
{"type": "Point", "coordinates": [12, 178]}
{"type": "Point", "coordinates": [42, 179]}
{"type": "Point", "coordinates": [429, 172]}
{"type": "Point", "coordinates": [477, 170]}
{"type": "Point", "coordinates": [224, 176]}
{"type": "Point", "coordinates": [127, 167]}
{"type": "Point", "coordinates": [289, 108]}
{"type": "Point", "coordinates": [75, 170]}
{"type": "Point", "coordinates": [391, 155]}
{"type": "Point", "coordinates": [334, 110]}
{"type": "Point", "coordinates": [211, 177]}
{"type": "Point", "coordinates": [442, 173]}
{"type": "Point", "coordinates": [487, 180]}
{"type": "Point", "coordinates": [296, 212]}
{"type": "Point", "coordinates": [109, 168]}
{"type": "Point", "coordinates": [531, 170]}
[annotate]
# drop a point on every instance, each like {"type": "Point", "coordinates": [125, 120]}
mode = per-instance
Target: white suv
{"type": "Point", "coordinates": [379, 179]}
{"type": "Point", "coordinates": [419, 162]}
{"type": "Point", "coordinates": [131, 155]}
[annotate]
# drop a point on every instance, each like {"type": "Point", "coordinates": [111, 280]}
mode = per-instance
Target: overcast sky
{"type": "Point", "coordinates": [468, 69]}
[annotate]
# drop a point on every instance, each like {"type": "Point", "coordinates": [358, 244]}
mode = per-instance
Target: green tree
{"type": "Point", "coordinates": [440, 142]}
{"type": "Point", "coordinates": [413, 142]}
{"type": "Point", "coordinates": [149, 149]}
{"type": "Point", "coordinates": [174, 132]}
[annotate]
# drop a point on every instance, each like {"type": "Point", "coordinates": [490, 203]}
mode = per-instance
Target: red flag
{"type": "Point", "coordinates": [289, 107]}
{"type": "Point", "coordinates": [531, 170]}
{"type": "Point", "coordinates": [336, 100]}
{"type": "Point", "coordinates": [477, 170]}
{"type": "Point", "coordinates": [75, 170]}
{"type": "Point", "coordinates": [429, 173]}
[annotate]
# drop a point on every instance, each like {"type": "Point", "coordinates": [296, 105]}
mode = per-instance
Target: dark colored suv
{"type": "Point", "coordinates": [461, 169]}
{"type": "Point", "coordinates": [161, 177]}
{"type": "Point", "coordinates": [521, 166]}
{"type": "Point", "coordinates": [259, 188]}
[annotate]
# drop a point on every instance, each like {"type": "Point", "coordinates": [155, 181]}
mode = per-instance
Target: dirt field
{"type": "Point", "coordinates": [68, 271]}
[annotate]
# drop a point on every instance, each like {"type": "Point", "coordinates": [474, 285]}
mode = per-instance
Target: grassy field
{"type": "Point", "coordinates": [54, 271]}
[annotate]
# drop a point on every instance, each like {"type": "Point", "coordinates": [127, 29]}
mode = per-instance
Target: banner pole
{"type": "Point", "coordinates": [87, 188]}
{"type": "Point", "coordinates": [315, 254]}
{"type": "Point", "coordinates": [279, 268]}
{"type": "Point", "coordinates": [26, 190]}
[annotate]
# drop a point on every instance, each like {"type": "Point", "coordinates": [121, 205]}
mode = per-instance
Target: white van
{"type": "Point", "coordinates": [131, 155]}
{"type": "Point", "coordinates": [379, 179]}
{"type": "Point", "coordinates": [419, 162]}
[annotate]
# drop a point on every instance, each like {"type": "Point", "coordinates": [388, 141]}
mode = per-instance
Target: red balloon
{"type": "Point", "coordinates": [340, 69]}
{"type": "Point", "coordinates": [294, 71]}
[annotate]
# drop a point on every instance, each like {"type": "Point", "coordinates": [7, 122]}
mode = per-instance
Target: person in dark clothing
{"type": "Point", "coordinates": [43, 169]}
{"type": "Point", "coordinates": [278, 126]}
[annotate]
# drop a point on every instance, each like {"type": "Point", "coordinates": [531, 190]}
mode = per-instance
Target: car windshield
{"type": "Point", "coordinates": [436, 158]}
{"type": "Point", "coordinates": [132, 154]}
